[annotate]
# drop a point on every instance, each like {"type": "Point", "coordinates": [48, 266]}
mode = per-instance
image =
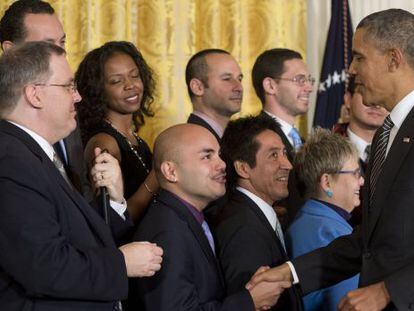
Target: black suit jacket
{"type": "Point", "coordinates": [382, 248]}
{"type": "Point", "coordinates": [57, 253]}
{"type": "Point", "coordinates": [193, 119]}
{"type": "Point", "coordinates": [296, 197]}
{"type": "Point", "coordinates": [190, 277]}
{"type": "Point", "coordinates": [246, 241]}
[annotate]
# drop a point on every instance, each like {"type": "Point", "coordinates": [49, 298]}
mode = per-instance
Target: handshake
{"type": "Point", "coordinates": [266, 285]}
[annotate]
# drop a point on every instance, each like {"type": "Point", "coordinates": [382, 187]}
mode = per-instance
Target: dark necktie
{"type": "Point", "coordinates": [379, 154]}
{"type": "Point", "coordinates": [367, 153]}
{"type": "Point", "coordinates": [59, 150]}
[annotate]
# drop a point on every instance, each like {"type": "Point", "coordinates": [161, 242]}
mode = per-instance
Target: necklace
{"type": "Point", "coordinates": [131, 147]}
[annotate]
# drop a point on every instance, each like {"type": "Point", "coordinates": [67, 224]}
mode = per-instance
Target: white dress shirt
{"type": "Point", "coordinates": [286, 127]}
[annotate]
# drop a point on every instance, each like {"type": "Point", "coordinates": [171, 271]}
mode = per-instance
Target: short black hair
{"type": "Point", "coordinates": [270, 64]}
{"type": "Point", "coordinates": [239, 142]}
{"type": "Point", "coordinates": [12, 23]}
{"type": "Point", "coordinates": [197, 67]}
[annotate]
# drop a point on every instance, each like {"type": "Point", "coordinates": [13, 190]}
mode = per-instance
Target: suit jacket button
{"type": "Point", "coordinates": [367, 255]}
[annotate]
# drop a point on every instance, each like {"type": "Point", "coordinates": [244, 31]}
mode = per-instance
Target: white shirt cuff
{"type": "Point", "coordinates": [293, 271]}
{"type": "Point", "coordinates": [119, 208]}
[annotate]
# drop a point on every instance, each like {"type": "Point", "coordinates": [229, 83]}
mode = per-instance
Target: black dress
{"type": "Point", "coordinates": [134, 171]}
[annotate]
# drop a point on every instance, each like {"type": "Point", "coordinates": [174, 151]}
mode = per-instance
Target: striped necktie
{"type": "Point", "coordinates": [59, 165]}
{"type": "Point", "coordinates": [379, 154]}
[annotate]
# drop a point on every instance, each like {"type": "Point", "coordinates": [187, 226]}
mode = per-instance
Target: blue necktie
{"type": "Point", "coordinates": [297, 141]}
{"type": "Point", "coordinates": [209, 236]}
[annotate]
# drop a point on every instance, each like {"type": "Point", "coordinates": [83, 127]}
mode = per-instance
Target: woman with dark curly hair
{"type": "Point", "coordinates": [116, 86]}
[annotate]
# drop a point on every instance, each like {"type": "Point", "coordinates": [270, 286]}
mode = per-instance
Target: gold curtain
{"type": "Point", "coordinates": [168, 32]}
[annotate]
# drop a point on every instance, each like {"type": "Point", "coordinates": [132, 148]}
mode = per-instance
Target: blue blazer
{"type": "Point", "coordinates": [315, 226]}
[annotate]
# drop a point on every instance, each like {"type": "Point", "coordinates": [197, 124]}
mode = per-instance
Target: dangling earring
{"type": "Point", "coordinates": [329, 193]}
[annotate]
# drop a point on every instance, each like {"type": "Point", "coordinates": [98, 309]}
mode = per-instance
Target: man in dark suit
{"type": "Point", "coordinates": [213, 80]}
{"type": "Point", "coordinates": [283, 84]}
{"type": "Point", "coordinates": [380, 249]}
{"type": "Point", "coordinates": [191, 174]}
{"type": "Point", "coordinates": [257, 176]}
{"type": "Point", "coordinates": [57, 253]}
{"type": "Point", "coordinates": [34, 20]}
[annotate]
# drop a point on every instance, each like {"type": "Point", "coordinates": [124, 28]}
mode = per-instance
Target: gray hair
{"type": "Point", "coordinates": [323, 152]}
{"type": "Point", "coordinates": [393, 28]}
{"type": "Point", "coordinates": [22, 65]}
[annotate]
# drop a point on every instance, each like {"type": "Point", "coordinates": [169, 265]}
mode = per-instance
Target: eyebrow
{"type": "Point", "coordinates": [206, 150]}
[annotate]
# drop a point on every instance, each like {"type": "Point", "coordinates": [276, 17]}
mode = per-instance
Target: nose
{"type": "Point", "coordinates": [238, 86]}
{"type": "Point", "coordinates": [285, 163]}
{"type": "Point", "coordinates": [220, 165]}
{"type": "Point", "coordinates": [129, 84]}
{"type": "Point", "coordinates": [76, 97]}
{"type": "Point", "coordinates": [361, 181]}
{"type": "Point", "coordinates": [351, 69]}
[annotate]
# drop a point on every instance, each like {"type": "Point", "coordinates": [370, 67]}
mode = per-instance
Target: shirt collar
{"type": "Point", "coordinates": [214, 125]}
{"type": "Point", "coordinates": [267, 210]}
{"type": "Point", "coordinates": [43, 143]}
{"type": "Point", "coordinates": [285, 126]}
{"type": "Point", "coordinates": [199, 216]}
{"type": "Point", "coordinates": [360, 144]}
{"type": "Point", "coordinates": [401, 110]}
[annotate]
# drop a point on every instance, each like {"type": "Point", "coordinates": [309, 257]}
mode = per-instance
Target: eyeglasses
{"type": "Point", "coordinates": [300, 80]}
{"type": "Point", "coordinates": [71, 87]}
{"type": "Point", "coordinates": [357, 172]}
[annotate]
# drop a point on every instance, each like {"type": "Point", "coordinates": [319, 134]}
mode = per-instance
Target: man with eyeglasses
{"type": "Point", "coordinates": [283, 84]}
{"type": "Point", "coordinates": [57, 253]}
{"type": "Point", "coordinates": [34, 20]}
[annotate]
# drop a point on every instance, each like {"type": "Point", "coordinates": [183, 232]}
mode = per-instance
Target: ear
{"type": "Point", "coordinates": [169, 171]}
{"type": "Point", "coordinates": [32, 96]}
{"type": "Point", "coordinates": [325, 182]}
{"type": "Point", "coordinates": [6, 45]}
{"type": "Point", "coordinates": [269, 86]}
{"type": "Point", "coordinates": [197, 87]}
{"type": "Point", "coordinates": [395, 59]}
{"type": "Point", "coordinates": [242, 169]}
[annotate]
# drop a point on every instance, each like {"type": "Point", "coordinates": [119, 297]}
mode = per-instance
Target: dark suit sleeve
{"type": "Point", "coordinates": [172, 288]}
{"type": "Point", "coordinates": [328, 265]}
{"type": "Point", "coordinates": [399, 287]}
{"type": "Point", "coordinates": [38, 255]}
{"type": "Point", "coordinates": [241, 255]}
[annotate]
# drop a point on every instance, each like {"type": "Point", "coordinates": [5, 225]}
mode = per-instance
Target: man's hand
{"type": "Point", "coordinates": [370, 298]}
{"type": "Point", "coordinates": [266, 294]}
{"type": "Point", "coordinates": [276, 274]}
{"type": "Point", "coordinates": [142, 258]}
{"type": "Point", "coordinates": [107, 173]}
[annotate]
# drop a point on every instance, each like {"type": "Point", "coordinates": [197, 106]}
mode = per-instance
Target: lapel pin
{"type": "Point", "coordinates": [406, 139]}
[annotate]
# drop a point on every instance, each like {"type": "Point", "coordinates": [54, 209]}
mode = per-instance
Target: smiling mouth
{"type": "Point", "coordinates": [283, 178]}
{"type": "Point", "coordinates": [131, 98]}
{"type": "Point", "coordinates": [220, 178]}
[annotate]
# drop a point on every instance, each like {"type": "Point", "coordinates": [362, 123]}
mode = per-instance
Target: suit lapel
{"type": "Point", "coordinates": [402, 143]}
{"type": "Point", "coordinates": [93, 219]}
{"type": "Point", "coordinates": [193, 119]}
{"type": "Point", "coordinates": [244, 200]}
{"type": "Point", "coordinates": [182, 211]}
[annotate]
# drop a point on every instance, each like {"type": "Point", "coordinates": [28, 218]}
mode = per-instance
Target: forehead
{"type": "Point", "coordinates": [295, 66]}
{"type": "Point", "coordinates": [269, 139]}
{"type": "Point", "coordinates": [197, 139]}
{"type": "Point", "coordinates": [220, 62]}
{"type": "Point", "coordinates": [118, 61]}
{"type": "Point", "coordinates": [59, 66]}
{"type": "Point", "coordinates": [42, 27]}
{"type": "Point", "coordinates": [361, 43]}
